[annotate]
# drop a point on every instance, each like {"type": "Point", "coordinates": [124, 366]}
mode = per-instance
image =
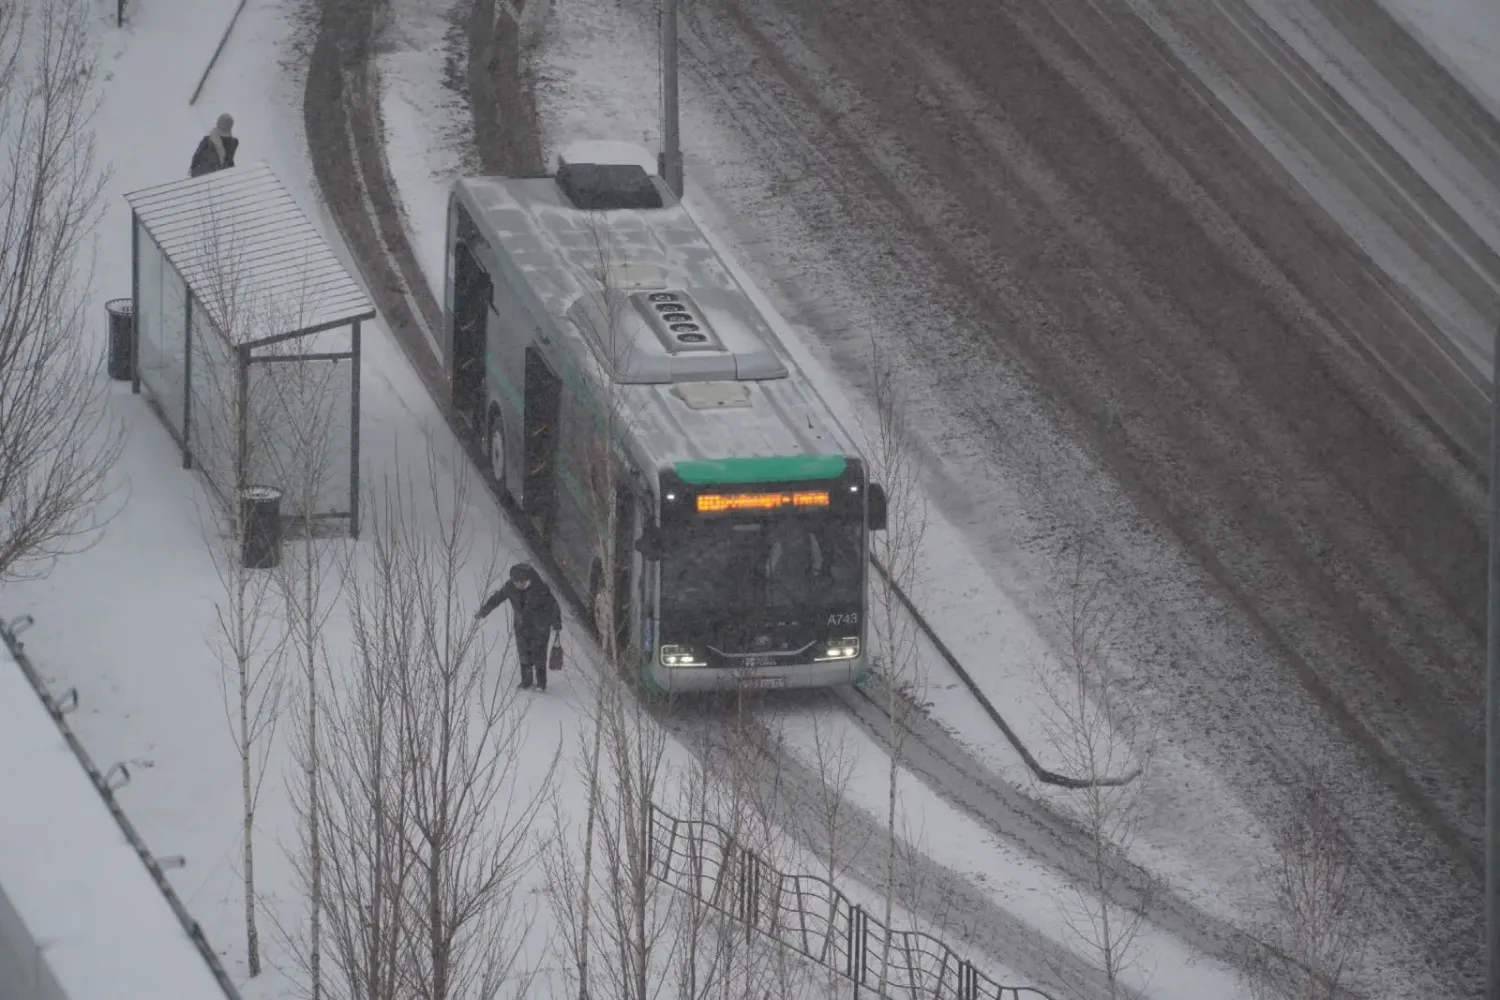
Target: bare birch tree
{"type": "Point", "coordinates": [365, 868]}
{"type": "Point", "coordinates": [828, 826]}
{"type": "Point", "coordinates": [58, 441]}
{"type": "Point", "coordinates": [602, 887]}
{"type": "Point", "coordinates": [300, 438]}
{"type": "Point", "coordinates": [1315, 932]}
{"type": "Point", "coordinates": [897, 553]}
{"type": "Point", "coordinates": [1102, 741]}
{"type": "Point", "coordinates": [477, 787]}
{"type": "Point", "coordinates": [430, 788]}
{"type": "Point", "coordinates": [250, 640]}
{"type": "Point", "coordinates": [713, 925]}
{"type": "Point", "coordinates": [571, 884]}
{"type": "Point", "coordinates": [227, 424]}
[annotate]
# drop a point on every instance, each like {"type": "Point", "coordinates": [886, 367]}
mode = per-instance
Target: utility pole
{"type": "Point", "coordinates": [669, 161]}
{"type": "Point", "coordinates": [1492, 708]}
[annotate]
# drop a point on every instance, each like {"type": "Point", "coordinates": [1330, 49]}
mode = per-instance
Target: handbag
{"type": "Point", "coordinates": [554, 658]}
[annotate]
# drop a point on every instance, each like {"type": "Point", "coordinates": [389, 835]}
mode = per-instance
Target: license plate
{"type": "Point", "coordinates": [763, 682]}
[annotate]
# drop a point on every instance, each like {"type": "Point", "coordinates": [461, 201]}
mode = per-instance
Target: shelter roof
{"type": "Point", "coordinates": [250, 255]}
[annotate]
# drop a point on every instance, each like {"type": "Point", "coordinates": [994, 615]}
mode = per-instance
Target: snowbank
{"type": "Point", "coordinates": [80, 914]}
{"type": "Point", "coordinates": [1463, 35]}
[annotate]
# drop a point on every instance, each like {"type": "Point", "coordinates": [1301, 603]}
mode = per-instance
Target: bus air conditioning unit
{"type": "Point", "coordinates": [605, 186]}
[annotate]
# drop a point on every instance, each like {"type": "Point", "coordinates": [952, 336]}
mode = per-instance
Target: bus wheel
{"type": "Point", "coordinates": [497, 454]}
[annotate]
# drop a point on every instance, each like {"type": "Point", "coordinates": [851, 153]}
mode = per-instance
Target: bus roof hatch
{"type": "Point", "coordinates": [668, 335]}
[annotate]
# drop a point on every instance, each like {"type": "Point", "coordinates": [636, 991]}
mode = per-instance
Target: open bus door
{"type": "Point", "coordinates": [543, 403]}
{"type": "Point", "coordinates": [472, 289]}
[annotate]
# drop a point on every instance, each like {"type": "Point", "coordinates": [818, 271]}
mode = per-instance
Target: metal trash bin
{"type": "Point", "coordinates": [121, 338]}
{"type": "Point", "coordinates": [260, 527]}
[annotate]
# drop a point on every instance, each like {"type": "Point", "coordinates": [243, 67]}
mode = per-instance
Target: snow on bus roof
{"type": "Point", "coordinates": [98, 922]}
{"type": "Point", "coordinates": [242, 227]}
{"type": "Point", "coordinates": [551, 244]}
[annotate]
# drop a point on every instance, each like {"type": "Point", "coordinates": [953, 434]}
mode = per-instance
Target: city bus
{"type": "Point", "coordinates": [638, 412]}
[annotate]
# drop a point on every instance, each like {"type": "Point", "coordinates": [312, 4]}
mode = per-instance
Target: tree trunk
{"type": "Point", "coordinates": [314, 835]}
{"type": "Point", "coordinates": [247, 789]}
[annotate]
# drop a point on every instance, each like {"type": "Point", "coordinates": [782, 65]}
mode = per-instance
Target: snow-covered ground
{"type": "Point", "coordinates": [131, 623]}
{"type": "Point", "coordinates": [1379, 102]}
{"type": "Point", "coordinates": [1167, 970]}
{"type": "Point", "coordinates": [594, 73]}
{"type": "Point", "coordinates": [1464, 35]}
{"type": "Point", "coordinates": [1334, 159]}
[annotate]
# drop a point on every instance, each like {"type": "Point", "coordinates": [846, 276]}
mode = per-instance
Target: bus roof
{"type": "Point", "coordinates": [644, 294]}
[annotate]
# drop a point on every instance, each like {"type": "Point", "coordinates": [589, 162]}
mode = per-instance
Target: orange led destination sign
{"type": "Point", "coordinates": [718, 503]}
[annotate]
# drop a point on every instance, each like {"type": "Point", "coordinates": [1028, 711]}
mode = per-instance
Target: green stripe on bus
{"type": "Point", "coordinates": [787, 469]}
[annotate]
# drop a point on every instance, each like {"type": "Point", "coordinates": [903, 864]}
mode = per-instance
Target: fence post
{"type": "Point", "coordinates": [672, 852]}
{"type": "Point", "coordinates": [752, 890]}
{"type": "Point", "coordinates": [857, 946]}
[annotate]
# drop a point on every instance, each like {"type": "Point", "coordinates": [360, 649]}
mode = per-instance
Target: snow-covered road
{"type": "Point", "coordinates": [1125, 326]}
{"type": "Point", "coordinates": [1129, 326]}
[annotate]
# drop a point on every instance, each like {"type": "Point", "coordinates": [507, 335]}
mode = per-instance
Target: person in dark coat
{"type": "Point", "coordinates": [216, 150]}
{"type": "Point", "coordinates": [535, 616]}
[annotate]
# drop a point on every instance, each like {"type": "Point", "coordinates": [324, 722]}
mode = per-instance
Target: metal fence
{"type": "Point", "coordinates": [811, 916]}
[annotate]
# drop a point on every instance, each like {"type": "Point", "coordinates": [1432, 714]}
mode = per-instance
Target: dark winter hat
{"type": "Point", "coordinates": [225, 124]}
{"type": "Point", "coordinates": [522, 573]}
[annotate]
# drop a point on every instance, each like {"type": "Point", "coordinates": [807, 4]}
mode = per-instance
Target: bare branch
{"type": "Point", "coordinates": [1315, 931]}
{"type": "Point", "coordinates": [1090, 724]}
{"type": "Point", "coordinates": [364, 870]}
{"type": "Point", "coordinates": [464, 732]}
{"type": "Point", "coordinates": [58, 441]}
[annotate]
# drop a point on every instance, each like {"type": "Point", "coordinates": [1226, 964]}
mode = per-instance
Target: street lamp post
{"type": "Point", "coordinates": [1492, 707]}
{"type": "Point", "coordinates": [669, 162]}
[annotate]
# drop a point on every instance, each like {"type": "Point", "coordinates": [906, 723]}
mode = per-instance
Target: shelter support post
{"type": "Point", "coordinates": [135, 303]}
{"type": "Point", "coordinates": [242, 418]}
{"type": "Point", "coordinates": [187, 380]}
{"type": "Point", "coordinates": [670, 167]}
{"type": "Point", "coordinates": [1492, 707]}
{"type": "Point", "coordinates": [354, 437]}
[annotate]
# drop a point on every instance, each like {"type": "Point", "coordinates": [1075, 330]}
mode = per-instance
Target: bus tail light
{"type": "Point", "coordinates": [682, 656]}
{"type": "Point", "coordinates": [839, 649]}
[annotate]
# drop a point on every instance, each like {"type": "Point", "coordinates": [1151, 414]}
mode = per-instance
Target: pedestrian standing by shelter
{"type": "Point", "coordinates": [535, 618]}
{"type": "Point", "coordinates": [216, 150]}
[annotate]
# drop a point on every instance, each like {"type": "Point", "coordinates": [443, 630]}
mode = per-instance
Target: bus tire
{"type": "Point", "coordinates": [494, 447]}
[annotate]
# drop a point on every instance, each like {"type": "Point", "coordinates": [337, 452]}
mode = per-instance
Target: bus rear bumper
{"type": "Point", "coordinates": [681, 680]}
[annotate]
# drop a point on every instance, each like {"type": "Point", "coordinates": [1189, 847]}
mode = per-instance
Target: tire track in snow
{"type": "Point", "coordinates": [1394, 674]}
{"type": "Point", "coordinates": [340, 119]}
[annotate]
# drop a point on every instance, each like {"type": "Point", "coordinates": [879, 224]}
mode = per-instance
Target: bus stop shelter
{"type": "Point", "coordinates": [247, 340]}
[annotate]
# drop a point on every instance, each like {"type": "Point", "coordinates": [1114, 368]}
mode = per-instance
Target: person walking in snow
{"type": "Point", "coordinates": [216, 150]}
{"type": "Point", "coordinates": [535, 617]}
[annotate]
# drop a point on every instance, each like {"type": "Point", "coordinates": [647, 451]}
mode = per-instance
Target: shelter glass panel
{"type": "Point", "coordinates": [170, 386]}
{"type": "Point", "coordinates": [149, 312]}
{"type": "Point", "coordinates": [301, 432]}
{"type": "Point", "coordinates": [213, 417]}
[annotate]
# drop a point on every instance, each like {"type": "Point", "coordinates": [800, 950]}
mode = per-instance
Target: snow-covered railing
{"type": "Point", "coordinates": [811, 916]}
{"type": "Point", "coordinates": [182, 949]}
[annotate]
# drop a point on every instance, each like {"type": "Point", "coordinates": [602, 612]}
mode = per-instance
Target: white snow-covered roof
{"type": "Point", "coordinates": [77, 904]}
{"type": "Point", "coordinates": [250, 255]}
{"type": "Point", "coordinates": [763, 404]}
